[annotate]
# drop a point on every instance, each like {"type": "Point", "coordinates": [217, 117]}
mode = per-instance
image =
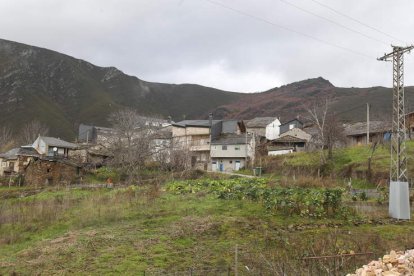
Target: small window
{"type": "Point", "coordinates": [224, 147]}
{"type": "Point", "coordinates": [237, 148]}
{"type": "Point", "coordinates": [231, 162]}
{"type": "Point", "coordinates": [291, 126]}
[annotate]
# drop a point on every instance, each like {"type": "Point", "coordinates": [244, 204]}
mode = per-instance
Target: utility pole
{"type": "Point", "coordinates": [210, 122]}
{"type": "Point", "coordinates": [367, 123]}
{"type": "Point", "coordinates": [399, 205]}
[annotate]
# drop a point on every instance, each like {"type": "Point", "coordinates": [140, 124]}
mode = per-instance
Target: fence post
{"type": "Point", "coordinates": [236, 252]}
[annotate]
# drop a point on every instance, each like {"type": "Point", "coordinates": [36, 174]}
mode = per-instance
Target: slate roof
{"type": "Point", "coordinates": [291, 120]}
{"type": "Point", "coordinates": [231, 139]}
{"type": "Point", "coordinates": [195, 123]}
{"type": "Point", "coordinates": [11, 154]}
{"type": "Point", "coordinates": [360, 128]}
{"type": "Point", "coordinates": [289, 139]}
{"type": "Point", "coordinates": [14, 153]}
{"type": "Point", "coordinates": [260, 121]}
{"type": "Point", "coordinates": [55, 142]}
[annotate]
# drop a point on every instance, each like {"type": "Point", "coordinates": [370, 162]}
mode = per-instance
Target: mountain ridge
{"type": "Point", "coordinates": [62, 92]}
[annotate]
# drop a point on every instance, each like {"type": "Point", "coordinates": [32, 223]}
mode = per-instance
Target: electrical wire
{"type": "Point", "coordinates": [357, 21]}
{"type": "Point", "coordinates": [334, 22]}
{"type": "Point", "coordinates": [288, 29]}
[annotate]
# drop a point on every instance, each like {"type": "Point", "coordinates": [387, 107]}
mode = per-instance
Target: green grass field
{"type": "Point", "coordinates": [144, 229]}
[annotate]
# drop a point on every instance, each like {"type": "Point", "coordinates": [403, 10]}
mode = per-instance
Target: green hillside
{"type": "Point", "coordinates": [63, 92]}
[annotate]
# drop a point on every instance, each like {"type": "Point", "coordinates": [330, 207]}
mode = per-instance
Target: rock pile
{"type": "Point", "coordinates": [396, 263]}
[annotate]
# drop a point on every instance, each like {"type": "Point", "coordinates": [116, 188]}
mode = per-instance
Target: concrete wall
{"type": "Point", "coordinates": [40, 146]}
{"type": "Point", "coordinates": [183, 131]}
{"type": "Point", "coordinates": [227, 164]}
{"type": "Point", "coordinates": [280, 152]}
{"type": "Point", "coordinates": [273, 130]}
{"type": "Point", "coordinates": [259, 131]}
{"type": "Point", "coordinates": [12, 166]}
{"type": "Point", "coordinates": [231, 151]}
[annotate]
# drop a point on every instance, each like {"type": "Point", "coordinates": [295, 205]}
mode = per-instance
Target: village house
{"type": "Point", "coordinates": [51, 171]}
{"type": "Point", "coordinates": [267, 127]}
{"type": "Point", "coordinates": [95, 134]}
{"type": "Point", "coordinates": [15, 160]}
{"type": "Point", "coordinates": [409, 121]}
{"type": "Point", "coordinates": [105, 135]}
{"type": "Point", "coordinates": [50, 146]}
{"type": "Point", "coordinates": [194, 136]}
{"type": "Point", "coordinates": [292, 140]}
{"type": "Point", "coordinates": [356, 133]}
{"type": "Point", "coordinates": [161, 143]}
{"type": "Point", "coordinates": [232, 152]}
{"type": "Point", "coordinates": [43, 162]}
{"type": "Point", "coordinates": [295, 123]}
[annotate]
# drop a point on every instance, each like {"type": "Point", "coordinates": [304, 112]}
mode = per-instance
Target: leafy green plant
{"type": "Point", "coordinates": [307, 202]}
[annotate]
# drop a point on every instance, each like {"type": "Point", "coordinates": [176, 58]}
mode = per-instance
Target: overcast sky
{"type": "Point", "coordinates": [235, 45]}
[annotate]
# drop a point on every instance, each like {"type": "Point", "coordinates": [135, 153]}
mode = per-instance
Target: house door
{"type": "Point", "coordinates": [214, 166]}
{"type": "Point", "coordinates": [237, 167]}
{"type": "Point", "coordinates": [221, 167]}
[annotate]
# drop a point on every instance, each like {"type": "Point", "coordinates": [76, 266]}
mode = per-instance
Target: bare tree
{"type": "Point", "coordinates": [6, 138]}
{"type": "Point", "coordinates": [131, 146]}
{"type": "Point", "coordinates": [329, 131]}
{"type": "Point", "coordinates": [31, 131]}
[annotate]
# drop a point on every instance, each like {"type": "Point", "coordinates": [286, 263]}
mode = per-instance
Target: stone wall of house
{"type": "Point", "coordinates": [43, 172]}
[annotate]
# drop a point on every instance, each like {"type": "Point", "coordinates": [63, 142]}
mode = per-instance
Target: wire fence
{"type": "Point", "coordinates": [246, 263]}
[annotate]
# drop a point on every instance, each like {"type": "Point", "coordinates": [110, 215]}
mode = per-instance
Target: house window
{"type": "Point", "coordinates": [237, 148]}
{"type": "Point", "coordinates": [291, 126]}
{"type": "Point", "coordinates": [224, 147]}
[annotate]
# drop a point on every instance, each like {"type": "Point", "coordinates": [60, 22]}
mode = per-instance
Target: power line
{"type": "Point", "coordinates": [334, 22]}
{"type": "Point", "coordinates": [288, 29]}
{"type": "Point", "coordinates": [356, 20]}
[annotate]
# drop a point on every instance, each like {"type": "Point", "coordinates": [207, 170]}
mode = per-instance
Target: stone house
{"type": "Point", "coordinates": [356, 133]}
{"type": "Point", "coordinates": [295, 123]}
{"type": "Point", "coordinates": [292, 140]}
{"type": "Point", "coordinates": [268, 127]}
{"type": "Point", "coordinates": [15, 160]}
{"type": "Point", "coordinates": [51, 171]}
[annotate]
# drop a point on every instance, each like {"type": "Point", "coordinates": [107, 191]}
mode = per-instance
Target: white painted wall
{"type": "Point", "coordinates": [273, 130]}
{"type": "Point", "coordinates": [280, 152]}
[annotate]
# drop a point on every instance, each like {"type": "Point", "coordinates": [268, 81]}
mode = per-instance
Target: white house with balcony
{"type": "Point", "coordinates": [195, 135]}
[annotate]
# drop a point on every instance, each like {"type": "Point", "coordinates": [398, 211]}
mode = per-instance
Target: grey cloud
{"type": "Point", "coordinates": [194, 41]}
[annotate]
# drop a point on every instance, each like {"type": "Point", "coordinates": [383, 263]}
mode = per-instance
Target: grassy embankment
{"type": "Point", "coordinates": [131, 230]}
{"type": "Point", "coordinates": [348, 164]}
{"type": "Point", "coordinates": [137, 229]}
